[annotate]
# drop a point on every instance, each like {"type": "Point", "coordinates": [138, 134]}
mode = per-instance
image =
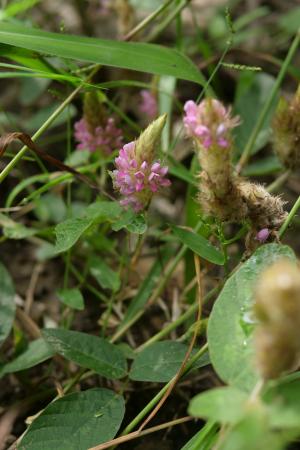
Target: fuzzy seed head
{"type": "Point", "coordinates": [277, 307]}
{"type": "Point", "coordinates": [286, 131]}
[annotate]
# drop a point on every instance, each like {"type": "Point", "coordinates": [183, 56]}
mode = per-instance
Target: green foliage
{"type": "Point", "coordinates": [104, 275]}
{"type": "Point", "coordinates": [230, 324]}
{"type": "Point", "coordinates": [7, 303]}
{"type": "Point", "coordinates": [72, 298]}
{"type": "Point", "coordinates": [251, 94]}
{"type": "Point", "coordinates": [161, 361]}
{"type": "Point", "coordinates": [69, 231]}
{"type": "Point", "coordinates": [37, 352]}
{"type": "Point", "coordinates": [130, 277]}
{"type": "Point", "coordinates": [88, 351]}
{"type": "Point", "coordinates": [225, 405]}
{"type": "Point", "coordinates": [128, 55]}
{"type": "Point", "coordinates": [76, 421]}
{"type": "Point", "coordinates": [199, 245]}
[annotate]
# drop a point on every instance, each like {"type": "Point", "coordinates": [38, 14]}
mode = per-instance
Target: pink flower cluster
{"type": "Point", "coordinates": [137, 181]}
{"type": "Point", "coordinates": [209, 122]}
{"type": "Point", "coordinates": [105, 138]}
{"type": "Point", "coordinates": [148, 104]}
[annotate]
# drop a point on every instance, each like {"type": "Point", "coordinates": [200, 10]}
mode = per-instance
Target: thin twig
{"type": "Point", "coordinates": [189, 351]}
{"type": "Point", "coordinates": [137, 434]}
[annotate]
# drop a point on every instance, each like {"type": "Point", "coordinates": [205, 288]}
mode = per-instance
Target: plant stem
{"type": "Point", "coordinates": [279, 181]}
{"type": "Point", "coordinates": [181, 319]}
{"type": "Point", "coordinates": [146, 21]}
{"type": "Point", "coordinates": [266, 109]}
{"type": "Point", "coordinates": [137, 434]}
{"type": "Point", "coordinates": [289, 218]}
{"type": "Point", "coordinates": [162, 26]}
{"type": "Point", "coordinates": [160, 394]}
{"type": "Point", "coordinates": [11, 165]}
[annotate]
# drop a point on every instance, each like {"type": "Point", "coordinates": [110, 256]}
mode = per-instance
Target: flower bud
{"type": "Point", "coordinates": [277, 307]}
{"type": "Point", "coordinates": [286, 131]}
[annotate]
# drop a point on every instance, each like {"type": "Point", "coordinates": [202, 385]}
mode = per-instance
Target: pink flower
{"type": "Point", "coordinates": [148, 104]}
{"type": "Point", "coordinates": [209, 122]}
{"type": "Point", "coordinates": [263, 235]}
{"type": "Point", "coordinates": [137, 182]}
{"type": "Point", "coordinates": [105, 138]}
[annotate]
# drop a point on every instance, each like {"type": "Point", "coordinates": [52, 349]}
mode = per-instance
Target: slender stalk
{"type": "Point", "coordinates": [273, 187]}
{"type": "Point", "coordinates": [161, 27]}
{"type": "Point", "coordinates": [12, 164]}
{"type": "Point", "coordinates": [137, 434]}
{"type": "Point", "coordinates": [266, 109]}
{"type": "Point", "coordinates": [180, 320]}
{"type": "Point", "coordinates": [147, 20]}
{"type": "Point", "coordinates": [289, 218]}
{"type": "Point", "coordinates": [161, 393]}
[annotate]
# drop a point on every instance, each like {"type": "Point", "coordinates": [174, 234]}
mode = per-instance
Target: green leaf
{"type": "Point", "coordinates": [14, 230]}
{"type": "Point", "coordinates": [251, 94]}
{"type": "Point", "coordinates": [283, 402]}
{"type": "Point", "coordinates": [71, 297]}
{"type": "Point", "coordinates": [199, 245]}
{"type": "Point", "coordinates": [224, 405]}
{"type": "Point", "coordinates": [7, 303]}
{"type": "Point", "coordinates": [161, 361]}
{"type": "Point", "coordinates": [148, 58]}
{"type": "Point", "coordinates": [88, 351]}
{"type": "Point", "coordinates": [76, 421]}
{"type": "Point", "coordinates": [25, 57]}
{"type": "Point", "coordinates": [230, 324]}
{"type": "Point", "coordinates": [254, 432]}
{"type": "Point", "coordinates": [18, 6]}
{"type": "Point", "coordinates": [37, 352]}
{"type": "Point", "coordinates": [104, 210]}
{"type": "Point", "coordinates": [134, 223]}
{"type": "Point", "coordinates": [50, 208]}
{"type": "Point", "coordinates": [105, 276]}
{"type": "Point", "coordinates": [289, 21]}
{"type": "Point", "coordinates": [69, 231]}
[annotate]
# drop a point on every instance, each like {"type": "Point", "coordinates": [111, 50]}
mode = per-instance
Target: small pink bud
{"type": "Point", "coordinates": [263, 235]}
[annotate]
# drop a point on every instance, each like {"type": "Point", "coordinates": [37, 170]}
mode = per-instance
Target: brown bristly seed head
{"type": "Point", "coordinates": [264, 209]}
{"type": "Point", "coordinates": [286, 131]}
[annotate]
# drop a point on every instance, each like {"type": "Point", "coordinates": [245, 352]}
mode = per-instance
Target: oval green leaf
{"type": "Point", "coordinates": [230, 326]}
{"type": "Point", "coordinates": [7, 303]}
{"type": "Point", "coordinates": [199, 245]}
{"type": "Point", "coordinates": [71, 297]}
{"type": "Point", "coordinates": [225, 405]}
{"type": "Point", "coordinates": [88, 351]}
{"type": "Point", "coordinates": [76, 421]}
{"type": "Point", "coordinates": [37, 352]}
{"type": "Point", "coordinates": [161, 361]}
{"type": "Point", "coordinates": [148, 58]}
